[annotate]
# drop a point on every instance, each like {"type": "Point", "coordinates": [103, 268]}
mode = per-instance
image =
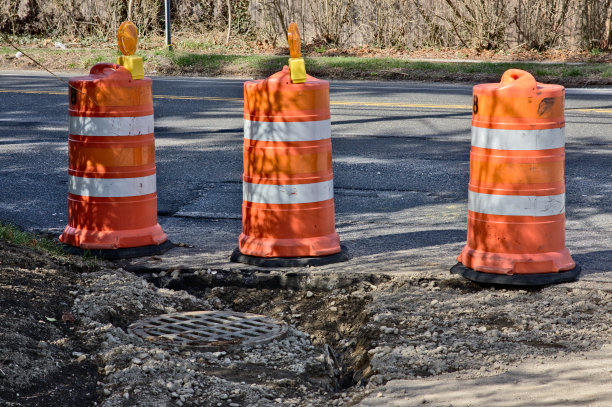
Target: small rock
{"type": "Point", "coordinates": [309, 294]}
{"type": "Point", "coordinates": [136, 361]}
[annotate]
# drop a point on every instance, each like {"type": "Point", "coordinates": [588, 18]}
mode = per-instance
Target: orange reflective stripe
{"type": "Point", "coordinates": [283, 162]}
{"type": "Point", "coordinates": [517, 172]}
{"type": "Point", "coordinates": [112, 213]}
{"type": "Point", "coordinates": [98, 159]}
{"type": "Point", "coordinates": [508, 172]}
{"type": "Point", "coordinates": [496, 233]}
{"type": "Point", "coordinates": [296, 220]}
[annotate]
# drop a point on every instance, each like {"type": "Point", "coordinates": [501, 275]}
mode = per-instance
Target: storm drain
{"type": "Point", "coordinates": [209, 331]}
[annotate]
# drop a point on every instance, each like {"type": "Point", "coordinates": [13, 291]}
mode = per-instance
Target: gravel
{"type": "Point", "coordinates": [343, 343]}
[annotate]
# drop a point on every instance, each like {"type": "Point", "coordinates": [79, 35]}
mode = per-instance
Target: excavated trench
{"type": "Point", "coordinates": [333, 311]}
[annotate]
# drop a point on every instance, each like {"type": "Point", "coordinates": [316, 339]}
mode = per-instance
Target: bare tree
{"type": "Point", "coordinates": [332, 19]}
{"type": "Point", "coordinates": [595, 14]}
{"type": "Point", "coordinates": [539, 23]}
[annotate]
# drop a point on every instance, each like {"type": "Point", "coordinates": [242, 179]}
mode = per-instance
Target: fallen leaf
{"type": "Point", "coordinates": [67, 317]}
{"type": "Point", "coordinates": [51, 319]}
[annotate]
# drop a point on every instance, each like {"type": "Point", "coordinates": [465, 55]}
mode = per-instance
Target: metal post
{"type": "Point", "coordinates": [167, 10]}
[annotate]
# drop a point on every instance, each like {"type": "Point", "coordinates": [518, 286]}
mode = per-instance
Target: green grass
{"type": "Point", "coordinates": [91, 61]}
{"type": "Point", "coordinates": [348, 67]}
{"type": "Point", "coordinates": [191, 57]}
{"type": "Point", "coordinates": [195, 45]}
{"type": "Point", "coordinates": [14, 235]}
{"type": "Point", "coordinates": [48, 246]}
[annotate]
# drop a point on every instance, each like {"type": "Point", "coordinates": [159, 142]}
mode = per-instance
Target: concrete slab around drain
{"type": "Point", "coordinates": [578, 380]}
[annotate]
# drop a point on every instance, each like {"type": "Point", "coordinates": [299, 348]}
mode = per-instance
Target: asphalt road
{"type": "Point", "coordinates": [401, 162]}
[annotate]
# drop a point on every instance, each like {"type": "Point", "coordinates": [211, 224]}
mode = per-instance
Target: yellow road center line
{"type": "Point", "coordinates": [34, 92]}
{"type": "Point", "coordinates": [332, 103]}
{"type": "Point", "coordinates": [577, 109]}
{"type": "Point", "coordinates": [172, 97]}
{"type": "Point", "coordinates": [417, 105]}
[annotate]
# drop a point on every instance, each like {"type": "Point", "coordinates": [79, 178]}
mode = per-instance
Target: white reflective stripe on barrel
{"type": "Point", "coordinates": [111, 187]}
{"type": "Point", "coordinates": [288, 194]}
{"type": "Point", "coordinates": [501, 139]}
{"type": "Point", "coordinates": [516, 205]}
{"type": "Point", "coordinates": [287, 131]}
{"type": "Point", "coordinates": [110, 126]}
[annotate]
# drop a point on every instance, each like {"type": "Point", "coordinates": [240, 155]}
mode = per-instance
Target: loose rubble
{"type": "Point", "coordinates": [343, 343]}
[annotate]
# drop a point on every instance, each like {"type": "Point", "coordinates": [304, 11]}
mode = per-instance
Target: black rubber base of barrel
{"type": "Point", "coordinates": [516, 279]}
{"type": "Point", "coordinates": [238, 257]}
{"type": "Point", "coordinates": [124, 253]}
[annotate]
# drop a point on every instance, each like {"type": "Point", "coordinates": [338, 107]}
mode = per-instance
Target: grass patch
{"type": "Point", "coordinates": [14, 235]}
{"type": "Point", "coordinates": [91, 61]}
{"type": "Point", "coordinates": [194, 45]}
{"type": "Point", "coordinates": [196, 57]}
{"type": "Point", "coordinates": [48, 246]}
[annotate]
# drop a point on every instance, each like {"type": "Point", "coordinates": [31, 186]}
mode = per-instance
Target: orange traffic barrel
{"type": "Point", "coordinates": [516, 193]}
{"type": "Point", "coordinates": [112, 195]}
{"type": "Point", "coordinates": [288, 192]}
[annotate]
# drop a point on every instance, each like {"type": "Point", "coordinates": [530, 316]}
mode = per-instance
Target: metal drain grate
{"type": "Point", "coordinates": [209, 330]}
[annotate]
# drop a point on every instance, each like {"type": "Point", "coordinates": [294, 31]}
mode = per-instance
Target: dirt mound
{"type": "Point", "coordinates": [39, 364]}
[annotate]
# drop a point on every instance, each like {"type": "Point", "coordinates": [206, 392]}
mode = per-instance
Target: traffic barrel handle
{"type": "Point", "coordinates": [519, 78]}
{"type": "Point", "coordinates": [101, 67]}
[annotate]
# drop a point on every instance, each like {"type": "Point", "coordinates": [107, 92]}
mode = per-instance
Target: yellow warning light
{"type": "Point", "coordinates": [295, 43]}
{"type": "Point", "coordinates": [297, 67]}
{"type": "Point", "coordinates": [127, 39]}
